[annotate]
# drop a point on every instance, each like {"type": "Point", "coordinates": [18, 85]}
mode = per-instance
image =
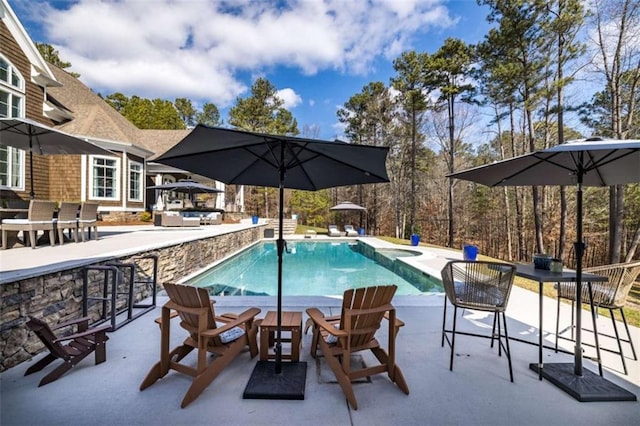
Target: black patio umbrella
{"type": "Point", "coordinates": [584, 162]}
{"type": "Point", "coordinates": [247, 158]}
{"type": "Point", "coordinates": [32, 136]}
{"type": "Point", "coordinates": [187, 186]}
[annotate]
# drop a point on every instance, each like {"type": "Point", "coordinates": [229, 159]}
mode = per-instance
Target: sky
{"type": "Point", "coordinates": [317, 53]}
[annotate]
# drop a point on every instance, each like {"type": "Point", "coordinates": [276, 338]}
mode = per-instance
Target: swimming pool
{"type": "Point", "coordinates": [314, 269]}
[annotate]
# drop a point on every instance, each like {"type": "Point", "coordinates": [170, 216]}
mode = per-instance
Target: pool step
{"type": "Point", "coordinates": [288, 226]}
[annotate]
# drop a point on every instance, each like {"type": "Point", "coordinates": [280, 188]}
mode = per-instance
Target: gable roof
{"type": "Point", "coordinates": [95, 118]}
{"type": "Point", "coordinates": [92, 115]}
{"type": "Point", "coordinates": [160, 141]}
{"type": "Point", "coordinates": [40, 71]}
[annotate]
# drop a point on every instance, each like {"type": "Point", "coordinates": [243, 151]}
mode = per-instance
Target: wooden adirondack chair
{"type": "Point", "coordinates": [81, 344]}
{"type": "Point", "coordinates": [338, 337]}
{"type": "Point", "coordinates": [225, 336]}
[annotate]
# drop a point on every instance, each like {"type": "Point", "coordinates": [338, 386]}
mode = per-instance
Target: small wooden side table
{"type": "Point", "coordinates": [292, 323]}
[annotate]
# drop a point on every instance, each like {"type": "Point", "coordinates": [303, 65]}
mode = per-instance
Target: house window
{"type": "Point", "coordinates": [104, 178]}
{"type": "Point", "coordinates": [135, 181]}
{"type": "Point", "coordinates": [11, 167]}
{"type": "Point", "coordinates": [11, 105]}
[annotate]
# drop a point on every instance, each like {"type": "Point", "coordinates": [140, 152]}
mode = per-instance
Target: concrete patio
{"type": "Point", "coordinates": [477, 391]}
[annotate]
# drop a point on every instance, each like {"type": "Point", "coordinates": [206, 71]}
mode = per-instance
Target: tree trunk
{"type": "Point", "coordinates": [634, 245]}
{"type": "Point", "coordinates": [616, 216]}
{"type": "Point", "coordinates": [452, 149]}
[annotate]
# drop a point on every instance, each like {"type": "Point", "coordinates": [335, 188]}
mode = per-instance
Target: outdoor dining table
{"type": "Point", "coordinates": [10, 213]}
{"type": "Point", "coordinates": [543, 276]}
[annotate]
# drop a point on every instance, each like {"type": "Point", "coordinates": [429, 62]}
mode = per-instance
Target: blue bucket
{"type": "Point", "coordinates": [469, 252]}
{"type": "Point", "coordinates": [254, 220]}
{"type": "Point", "coordinates": [415, 239]}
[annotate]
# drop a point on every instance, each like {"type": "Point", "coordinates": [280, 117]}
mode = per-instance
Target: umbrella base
{"type": "Point", "coordinates": [589, 387]}
{"type": "Point", "coordinates": [266, 384]}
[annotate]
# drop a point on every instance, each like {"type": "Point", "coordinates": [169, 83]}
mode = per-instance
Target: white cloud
{"type": "Point", "coordinates": [204, 50]}
{"type": "Point", "coordinates": [290, 97]}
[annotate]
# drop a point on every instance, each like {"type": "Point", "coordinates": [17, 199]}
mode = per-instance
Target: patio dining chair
{"type": "Point", "coordinates": [67, 219]}
{"type": "Point", "coordinates": [88, 220]}
{"type": "Point", "coordinates": [39, 218]}
{"type": "Point", "coordinates": [479, 286]}
{"type": "Point", "coordinates": [224, 336]}
{"type": "Point", "coordinates": [610, 295]}
{"type": "Point", "coordinates": [363, 310]}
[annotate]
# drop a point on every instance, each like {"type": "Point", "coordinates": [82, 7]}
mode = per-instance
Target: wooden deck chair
{"type": "Point", "coordinates": [88, 219]}
{"type": "Point", "coordinates": [67, 219]}
{"type": "Point", "coordinates": [81, 344]}
{"type": "Point", "coordinates": [362, 312]}
{"type": "Point", "coordinates": [225, 336]}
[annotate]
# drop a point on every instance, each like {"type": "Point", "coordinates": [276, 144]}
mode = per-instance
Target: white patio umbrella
{"type": "Point", "coordinates": [350, 206]}
{"type": "Point", "coordinates": [32, 136]}
{"type": "Point", "coordinates": [590, 162]}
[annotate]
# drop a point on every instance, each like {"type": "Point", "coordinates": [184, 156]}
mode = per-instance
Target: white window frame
{"type": "Point", "coordinates": [140, 173]}
{"type": "Point", "coordinates": [116, 177]}
{"type": "Point", "coordinates": [11, 166]}
{"type": "Point", "coordinates": [16, 96]}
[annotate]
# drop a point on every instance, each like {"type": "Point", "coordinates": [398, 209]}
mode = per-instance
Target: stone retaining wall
{"type": "Point", "coordinates": [57, 297]}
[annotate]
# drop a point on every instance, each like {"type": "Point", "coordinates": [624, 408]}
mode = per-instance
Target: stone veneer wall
{"type": "Point", "coordinates": [57, 297]}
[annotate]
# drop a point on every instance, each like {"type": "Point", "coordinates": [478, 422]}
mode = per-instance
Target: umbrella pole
{"type": "Point", "coordinates": [32, 194]}
{"type": "Point", "coordinates": [583, 385]}
{"type": "Point", "coordinates": [284, 381]}
{"type": "Point", "coordinates": [278, 347]}
{"type": "Point", "coordinates": [579, 250]}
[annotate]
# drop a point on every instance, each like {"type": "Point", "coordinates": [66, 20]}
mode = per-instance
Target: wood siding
{"type": "Point", "coordinates": [57, 177]}
{"type": "Point", "coordinates": [34, 99]}
{"type": "Point", "coordinates": [65, 182]}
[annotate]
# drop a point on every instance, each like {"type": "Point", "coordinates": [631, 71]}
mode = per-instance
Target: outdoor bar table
{"type": "Point", "coordinates": [542, 276]}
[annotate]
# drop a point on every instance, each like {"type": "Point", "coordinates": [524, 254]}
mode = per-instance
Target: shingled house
{"type": "Point", "coordinates": [32, 88]}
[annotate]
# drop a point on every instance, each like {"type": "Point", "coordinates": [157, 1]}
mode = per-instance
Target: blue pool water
{"type": "Point", "coordinates": [312, 269]}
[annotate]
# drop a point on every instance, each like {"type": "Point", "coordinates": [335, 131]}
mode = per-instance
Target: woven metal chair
{"type": "Point", "coordinates": [611, 295]}
{"type": "Point", "coordinates": [40, 218]}
{"type": "Point", "coordinates": [480, 286]}
{"type": "Point", "coordinates": [88, 220]}
{"type": "Point", "coordinates": [67, 219]}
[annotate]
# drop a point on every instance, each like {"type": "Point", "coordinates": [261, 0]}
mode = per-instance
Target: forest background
{"type": "Point", "coordinates": [518, 77]}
